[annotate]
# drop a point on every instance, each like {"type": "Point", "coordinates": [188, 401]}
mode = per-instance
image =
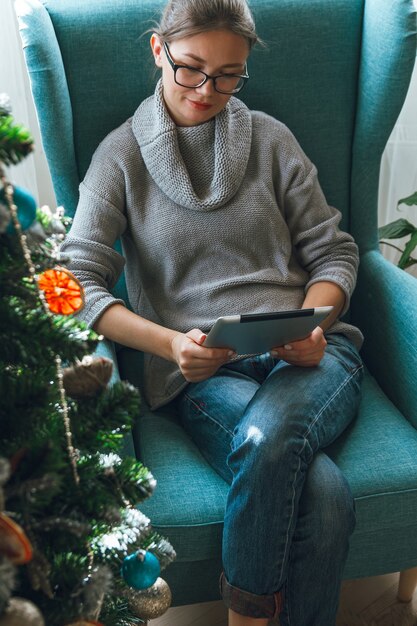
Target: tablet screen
{"type": "Point", "coordinates": [260, 332]}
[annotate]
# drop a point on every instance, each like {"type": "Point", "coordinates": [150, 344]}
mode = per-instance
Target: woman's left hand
{"type": "Point", "coordinates": [306, 352]}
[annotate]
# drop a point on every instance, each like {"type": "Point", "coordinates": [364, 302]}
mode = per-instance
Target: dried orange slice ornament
{"type": "Point", "coordinates": [13, 542]}
{"type": "Point", "coordinates": [63, 293]}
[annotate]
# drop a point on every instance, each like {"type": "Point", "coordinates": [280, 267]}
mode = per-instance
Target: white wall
{"type": "Point", "coordinates": [398, 167]}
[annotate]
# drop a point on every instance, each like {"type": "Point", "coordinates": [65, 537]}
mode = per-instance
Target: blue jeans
{"type": "Point", "coordinates": [262, 424]}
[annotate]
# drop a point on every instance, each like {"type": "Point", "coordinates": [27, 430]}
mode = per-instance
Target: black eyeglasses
{"type": "Point", "coordinates": [190, 77]}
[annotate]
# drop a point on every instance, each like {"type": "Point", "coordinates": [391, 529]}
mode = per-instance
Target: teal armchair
{"type": "Point", "coordinates": [336, 72]}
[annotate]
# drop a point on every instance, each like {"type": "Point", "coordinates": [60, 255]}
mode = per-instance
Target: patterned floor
{"type": "Point", "coordinates": [374, 603]}
{"type": "Point", "coordinates": [365, 602]}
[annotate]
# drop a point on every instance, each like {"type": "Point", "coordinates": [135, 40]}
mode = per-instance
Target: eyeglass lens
{"type": "Point", "coordinates": [188, 77]}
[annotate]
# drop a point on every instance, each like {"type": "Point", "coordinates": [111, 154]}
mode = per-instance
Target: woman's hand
{"type": "Point", "coordinates": [306, 352]}
{"type": "Point", "coordinates": [196, 362]}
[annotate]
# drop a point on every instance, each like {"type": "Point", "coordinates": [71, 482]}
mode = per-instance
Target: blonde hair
{"type": "Point", "coordinates": [185, 18]}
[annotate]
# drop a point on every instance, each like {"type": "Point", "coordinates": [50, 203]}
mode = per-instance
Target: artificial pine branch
{"type": "Point", "coordinates": [160, 547]}
{"type": "Point", "coordinates": [114, 409]}
{"type": "Point", "coordinates": [116, 612]}
{"type": "Point", "coordinates": [67, 571]}
{"type": "Point", "coordinates": [101, 489]}
{"type": "Point", "coordinates": [31, 336]}
{"type": "Point", "coordinates": [30, 489]}
{"type": "Point", "coordinates": [70, 491]}
{"type": "Point", "coordinates": [19, 391]}
{"type": "Point", "coordinates": [14, 271]}
{"type": "Point", "coordinates": [112, 544]}
{"type": "Point", "coordinates": [135, 480]}
{"type": "Point", "coordinates": [53, 524]}
{"type": "Point", "coordinates": [16, 141]}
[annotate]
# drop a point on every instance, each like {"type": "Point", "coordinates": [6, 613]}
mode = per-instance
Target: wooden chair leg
{"type": "Point", "coordinates": [407, 585]}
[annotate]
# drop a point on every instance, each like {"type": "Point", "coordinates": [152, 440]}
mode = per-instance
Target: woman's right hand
{"type": "Point", "coordinates": [196, 362]}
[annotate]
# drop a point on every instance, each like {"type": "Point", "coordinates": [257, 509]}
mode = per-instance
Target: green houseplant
{"type": "Point", "coordinates": [402, 228]}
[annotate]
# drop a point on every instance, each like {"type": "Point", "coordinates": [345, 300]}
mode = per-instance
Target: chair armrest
{"type": "Point", "coordinates": [107, 349]}
{"type": "Point", "coordinates": [47, 77]}
{"type": "Point", "coordinates": [385, 309]}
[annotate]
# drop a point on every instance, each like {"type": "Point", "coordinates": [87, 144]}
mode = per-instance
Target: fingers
{"type": "Point", "coordinates": [194, 360]}
{"type": "Point", "coordinates": [198, 351]}
{"type": "Point", "coordinates": [196, 335]}
{"type": "Point", "coordinates": [306, 352]}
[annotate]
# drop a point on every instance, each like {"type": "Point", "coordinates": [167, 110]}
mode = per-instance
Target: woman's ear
{"type": "Point", "coordinates": [157, 48]}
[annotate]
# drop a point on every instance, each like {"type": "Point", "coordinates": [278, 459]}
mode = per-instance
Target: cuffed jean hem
{"type": "Point", "coordinates": [250, 604]}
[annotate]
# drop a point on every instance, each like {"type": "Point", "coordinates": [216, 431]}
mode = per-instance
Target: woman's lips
{"type": "Point", "coordinates": [200, 106]}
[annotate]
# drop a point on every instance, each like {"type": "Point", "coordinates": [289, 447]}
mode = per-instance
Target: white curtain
{"type": "Point", "coordinates": [398, 177]}
{"type": "Point", "coordinates": [32, 173]}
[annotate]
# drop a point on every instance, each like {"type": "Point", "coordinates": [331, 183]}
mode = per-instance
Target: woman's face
{"type": "Point", "coordinates": [214, 52]}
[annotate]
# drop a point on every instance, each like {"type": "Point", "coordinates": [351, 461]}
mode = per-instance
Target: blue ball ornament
{"type": "Point", "coordinates": [26, 208]}
{"type": "Point", "coordinates": [141, 569]}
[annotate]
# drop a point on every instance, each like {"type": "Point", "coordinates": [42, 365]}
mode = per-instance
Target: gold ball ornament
{"type": "Point", "coordinates": [20, 611]}
{"type": "Point", "coordinates": [152, 602]}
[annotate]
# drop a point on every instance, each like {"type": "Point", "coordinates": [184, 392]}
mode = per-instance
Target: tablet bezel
{"type": "Point", "coordinates": [257, 333]}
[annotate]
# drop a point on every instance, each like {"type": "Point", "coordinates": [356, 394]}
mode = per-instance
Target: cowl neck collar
{"type": "Point", "coordinates": [156, 134]}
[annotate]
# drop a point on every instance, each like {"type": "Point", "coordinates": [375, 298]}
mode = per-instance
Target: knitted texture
{"type": "Point", "coordinates": [156, 135]}
{"type": "Point", "coordinates": [196, 148]}
{"type": "Point", "coordinates": [252, 239]}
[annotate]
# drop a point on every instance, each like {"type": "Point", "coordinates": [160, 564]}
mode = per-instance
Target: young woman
{"type": "Point", "coordinates": [220, 212]}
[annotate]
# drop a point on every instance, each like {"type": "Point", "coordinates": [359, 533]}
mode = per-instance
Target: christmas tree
{"type": "Point", "coordinates": [74, 548]}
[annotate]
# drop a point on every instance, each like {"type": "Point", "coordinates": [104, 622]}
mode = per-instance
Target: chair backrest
{"type": "Point", "coordinates": [335, 71]}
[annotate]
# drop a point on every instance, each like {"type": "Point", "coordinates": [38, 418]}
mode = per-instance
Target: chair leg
{"type": "Point", "coordinates": [407, 585]}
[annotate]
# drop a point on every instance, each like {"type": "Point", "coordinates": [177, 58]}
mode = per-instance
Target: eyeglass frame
{"type": "Point", "coordinates": [176, 66]}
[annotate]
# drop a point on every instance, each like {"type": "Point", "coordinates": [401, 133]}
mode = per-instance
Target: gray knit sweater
{"type": "Point", "coordinates": [218, 219]}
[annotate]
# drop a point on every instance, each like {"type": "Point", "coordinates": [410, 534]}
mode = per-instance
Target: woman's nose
{"type": "Point", "coordinates": [207, 89]}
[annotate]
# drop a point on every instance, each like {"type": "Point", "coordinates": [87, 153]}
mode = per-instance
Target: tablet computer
{"type": "Point", "coordinates": [260, 332]}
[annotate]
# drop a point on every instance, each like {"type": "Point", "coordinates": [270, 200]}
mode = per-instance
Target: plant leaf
{"type": "Point", "coordinates": [397, 229]}
{"type": "Point", "coordinates": [405, 257]}
{"type": "Point", "coordinates": [409, 201]}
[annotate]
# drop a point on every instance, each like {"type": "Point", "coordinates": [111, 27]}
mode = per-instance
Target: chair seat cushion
{"type": "Point", "coordinates": [189, 501]}
{"type": "Point", "coordinates": [377, 454]}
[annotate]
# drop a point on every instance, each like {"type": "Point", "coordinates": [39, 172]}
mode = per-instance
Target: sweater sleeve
{"type": "Point", "coordinates": [324, 251]}
{"type": "Point", "coordinates": [99, 220]}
